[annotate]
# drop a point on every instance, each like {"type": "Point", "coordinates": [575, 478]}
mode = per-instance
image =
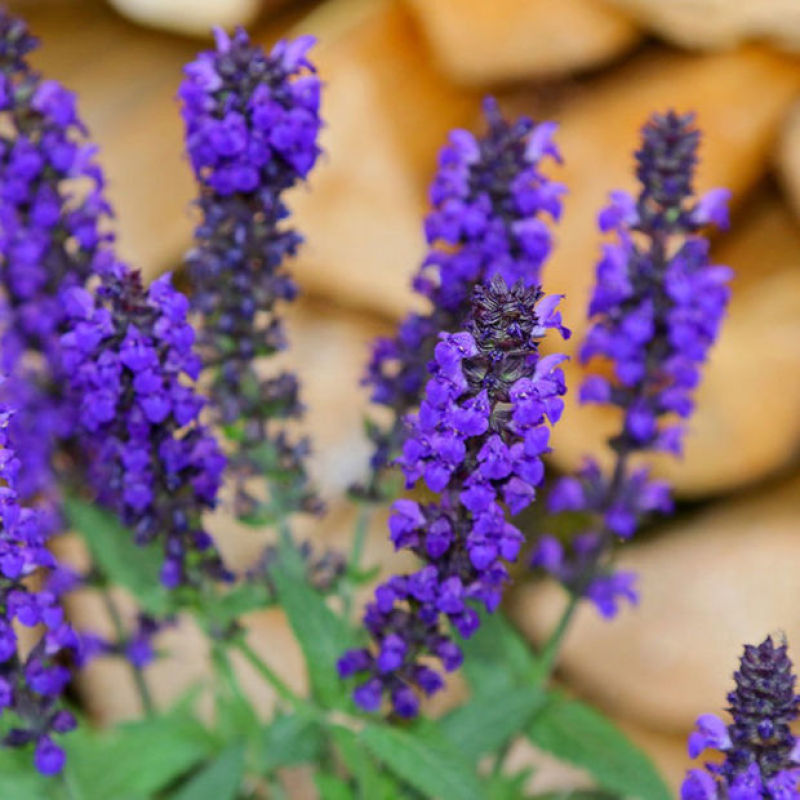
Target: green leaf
{"type": "Point", "coordinates": [423, 758]}
{"type": "Point", "coordinates": [289, 740]}
{"type": "Point", "coordinates": [487, 721]}
{"type": "Point", "coordinates": [372, 783]}
{"type": "Point", "coordinates": [578, 794]}
{"type": "Point", "coordinates": [323, 636]}
{"type": "Point", "coordinates": [120, 558]}
{"type": "Point", "coordinates": [332, 788]}
{"type": "Point", "coordinates": [136, 759]}
{"type": "Point", "coordinates": [220, 780]}
{"type": "Point", "coordinates": [221, 610]}
{"type": "Point", "coordinates": [509, 787]}
{"type": "Point", "coordinates": [19, 779]}
{"type": "Point", "coordinates": [497, 658]}
{"type": "Point", "coordinates": [578, 734]}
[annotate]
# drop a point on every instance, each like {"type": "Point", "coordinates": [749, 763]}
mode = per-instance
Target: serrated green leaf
{"type": "Point", "coordinates": [425, 760]}
{"type": "Point", "coordinates": [123, 561]}
{"type": "Point", "coordinates": [136, 759]}
{"type": "Point", "coordinates": [289, 740]}
{"type": "Point", "coordinates": [371, 783]}
{"type": "Point", "coordinates": [331, 787]}
{"type": "Point", "coordinates": [323, 636]}
{"type": "Point", "coordinates": [496, 657]}
{"type": "Point", "coordinates": [219, 780]}
{"type": "Point", "coordinates": [576, 733]}
{"type": "Point", "coordinates": [487, 721]}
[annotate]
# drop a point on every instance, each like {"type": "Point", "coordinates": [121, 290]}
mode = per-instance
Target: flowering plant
{"type": "Point", "coordinates": [129, 412]}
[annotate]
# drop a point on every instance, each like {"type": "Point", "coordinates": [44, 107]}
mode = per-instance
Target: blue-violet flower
{"type": "Point", "coordinates": [131, 361]}
{"type": "Point", "coordinates": [476, 443]}
{"type": "Point", "coordinates": [762, 755]}
{"type": "Point", "coordinates": [488, 201]}
{"type": "Point", "coordinates": [252, 122]}
{"type": "Point", "coordinates": [655, 312]}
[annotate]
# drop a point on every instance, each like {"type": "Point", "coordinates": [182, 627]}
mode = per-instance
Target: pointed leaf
{"type": "Point", "coordinates": [120, 558]}
{"type": "Point", "coordinates": [220, 780]}
{"type": "Point", "coordinates": [323, 636]}
{"type": "Point", "coordinates": [487, 721]}
{"type": "Point", "coordinates": [425, 760]}
{"type": "Point", "coordinates": [578, 734]}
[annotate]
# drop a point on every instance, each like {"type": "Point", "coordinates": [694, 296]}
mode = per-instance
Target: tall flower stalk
{"type": "Point", "coordinates": [655, 312]}
{"type": "Point", "coordinates": [761, 754]}
{"type": "Point", "coordinates": [52, 216]}
{"type": "Point", "coordinates": [131, 363]}
{"type": "Point", "coordinates": [489, 199]}
{"type": "Point", "coordinates": [30, 684]}
{"type": "Point", "coordinates": [252, 121]}
{"type": "Point", "coordinates": [476, 444]}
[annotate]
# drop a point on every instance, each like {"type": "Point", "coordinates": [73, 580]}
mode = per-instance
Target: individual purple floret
{"type": "Point", "coordinates": [477, 444]}
{"type": "Point", "coordinates": [52, 214]}
{"type": "Point", "coordinates": [655, 312]}
{"type": "Point", "coordinates": [252, 122]}
{"type": "Point", "coordinates": [131, 362]}
{"type": "Point", "coordinates": [30, 686]}
{"type": "Point", "coordinates": [761, 755]}
{"type": "Point", "coordinates": [488, 201]}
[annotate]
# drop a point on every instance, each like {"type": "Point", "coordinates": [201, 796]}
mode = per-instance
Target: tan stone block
{"type": "Point", "coordinates": [709, 583]}
{"type": "Point", "coordinates": [480, 43]}
{"type": "Point", "coordinates": [712, 24]}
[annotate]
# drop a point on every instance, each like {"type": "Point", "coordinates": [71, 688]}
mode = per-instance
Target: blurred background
{"type": "Point", "coordinates": [399, 74]}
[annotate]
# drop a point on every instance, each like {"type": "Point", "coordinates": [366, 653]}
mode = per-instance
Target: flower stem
{"type": "Point", "coordinates": [265, 671]}
{"type": "Point", "coordinates": [354, 560]}
{"type": "Point", "coordinates": [142, 689]}
{"type": "Point", "coordinates": [552, 647]}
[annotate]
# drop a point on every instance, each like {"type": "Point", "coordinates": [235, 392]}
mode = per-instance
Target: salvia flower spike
{"type": "Point", "coordinates": [761, 754]}
{"type": "Point", "coordinates": [489, 202]}
{"type": "Point", "coordinates": [30, 686]}
{"type": "Point", "coordinates": [655, 312]}
{"type": "Point", "coordinates": [131, 360]}
{"type": "Point", "coordinates": [252, 122]}
{"type": "Point", "coordinates": [476, 443]}
{"type": "Point", "coordinates": [53, 212]}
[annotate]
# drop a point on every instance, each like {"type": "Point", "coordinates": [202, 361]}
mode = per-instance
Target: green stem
{"type": "Point", "coordinates": [354, 560]}
{"type": "Point", "coordinates": [265, 671]}
{"type": "Point", "coordinates": [145, 698]}
{"type": "Point", "coordinates": [550, 651]}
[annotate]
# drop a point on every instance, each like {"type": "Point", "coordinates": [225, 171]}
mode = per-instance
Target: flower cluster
{"type": "Point", "coordinates": [52, 213]}
{"type": "Point", "coordinates": [762, 756]}
{"type": "Point", "coordinates": [252, 122]}
{"type": "Point", "coordinates": [656, 310]}
{"type": "Point", "coordinates": [488, 199]}
{"type": "Point", "coordinates": [30, 686]}
{"type": "Point", "coordinates": [477, 443]}
{"type": "Point", "coordinates": [129, 354]}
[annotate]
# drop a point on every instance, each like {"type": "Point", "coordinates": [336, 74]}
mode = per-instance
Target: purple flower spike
{"type": "Point", "coordinates": [131, 361]}
{"type": "Point", "coordinates": [658, 302]}
{"type": "Point", "coordinates": [489, 201]}
{"type": "Point", "coordinates": [655, 312]}
{"type": "Point", "coordinates": [252, 122]}
{"type": "Point", "coordinates": [30, 686]}
{"type": "Point", "coordinates": [53, 212]}
{"type": "Point", "coordinates": [760, 751]}
{"type": "Point", "coordinates": [476, 442]}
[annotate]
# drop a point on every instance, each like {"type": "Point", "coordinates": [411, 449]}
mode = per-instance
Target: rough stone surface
{"type": "Point", "coordinates": [788, 158]}
{"type": "Point", "coordinates": [709, 584]}
{"type": "Point", "coordinates": [483, 43]}
{"type": "Point", "coordinates": [714, 24]}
